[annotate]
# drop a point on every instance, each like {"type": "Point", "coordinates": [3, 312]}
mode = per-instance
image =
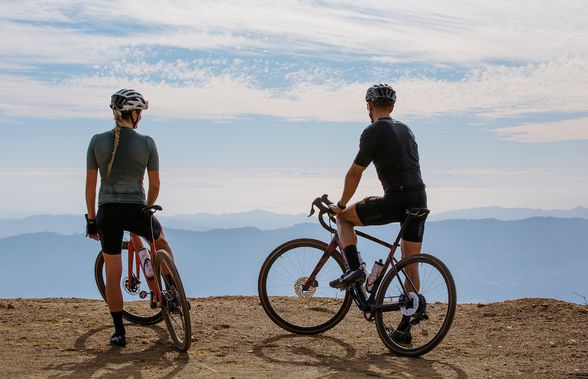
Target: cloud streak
{"type": "Point", "coordinates": [513, 59]}
{"type": "Point", "coordinates": [455, 33]}
{"type": "Point", "coordinates": [194, 92]}
{"type": "Point", "coordinates": [568, 130]}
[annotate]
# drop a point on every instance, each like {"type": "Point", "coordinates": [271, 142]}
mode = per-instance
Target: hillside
{"type": "Point", "coordinates": [490, 260]}
{"type": "Point", "coordinates": [66, 338]}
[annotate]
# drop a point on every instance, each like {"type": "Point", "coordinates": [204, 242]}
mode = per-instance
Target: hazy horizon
{"type": "Point", "coordinates": [20, 215]}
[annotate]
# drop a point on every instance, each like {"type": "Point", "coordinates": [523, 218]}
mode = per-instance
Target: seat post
{"type": "Point", "coordinates": [403, 226]}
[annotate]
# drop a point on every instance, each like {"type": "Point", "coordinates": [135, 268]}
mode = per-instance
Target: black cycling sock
{"type": "Point", "coordinates": [117, 318]}
{"type": "Point", "coordinates": [352, 258]}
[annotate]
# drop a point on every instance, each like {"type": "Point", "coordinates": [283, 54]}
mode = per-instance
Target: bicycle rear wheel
{"type": "Point", "coordinates": [175, 307]}
{"type": "Point", "coordinates": [280, 282]}
{"type": "Point", "coordinates": [425, 315]}
{"type": "Point", "coordinates": [135, 309]}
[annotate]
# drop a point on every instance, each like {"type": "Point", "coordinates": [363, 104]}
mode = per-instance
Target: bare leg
{"type": "Point", "coordinates": [410, 249]}
{"type": "Point", "coordinates": [346, 221]}
{"type": "Point", "coordinates": [161, 243]}
{"type": "Point", "coordinates": [113, 265]}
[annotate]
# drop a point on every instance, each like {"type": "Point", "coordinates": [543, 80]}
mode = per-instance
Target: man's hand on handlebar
{"type": "Point", "coordinates": [336, 209]}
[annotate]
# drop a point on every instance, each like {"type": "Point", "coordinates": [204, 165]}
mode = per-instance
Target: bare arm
{"type": "Point", "coordinates": [352, 179]}
{"type": "Point", "coordinates": [91, 180]}
{"type": "Point", "coordinates": [153, 187]}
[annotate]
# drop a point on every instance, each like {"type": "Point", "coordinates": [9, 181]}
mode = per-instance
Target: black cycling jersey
{"type": "Point", "coordinates": [391, 145]}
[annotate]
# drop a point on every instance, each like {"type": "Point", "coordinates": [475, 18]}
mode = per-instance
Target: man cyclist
{"type": "Point", "coordinates": [391, 146]}
{"type": "Point", "coordinates": [121, 155]}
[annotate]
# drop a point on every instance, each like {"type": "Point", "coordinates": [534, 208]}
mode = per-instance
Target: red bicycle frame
{"type": "Point", "coordinates": [134, 264]}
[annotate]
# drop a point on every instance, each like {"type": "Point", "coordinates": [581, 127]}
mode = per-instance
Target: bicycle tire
{"type": "Point", "coordinates": [438, 304]}
{"type": "Point", "coordinates": [148, 317]}
{"type": "Point", "coordinates": [175, 302]}
{"type": "Point", "coordinates": [283, 306]}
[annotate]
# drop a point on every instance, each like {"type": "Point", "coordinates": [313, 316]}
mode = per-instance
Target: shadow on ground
{"type": "Point", "coordinates": [112, 361]}
{"type": "Point", "coordinates": [297, 350]}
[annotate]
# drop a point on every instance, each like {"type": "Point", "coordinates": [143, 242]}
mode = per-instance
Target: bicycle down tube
{"type": "Point", "coordinates": [134, 245]}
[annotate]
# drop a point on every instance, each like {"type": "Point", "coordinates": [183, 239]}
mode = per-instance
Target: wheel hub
{"type": "Point", "coordinates": [299, 290]}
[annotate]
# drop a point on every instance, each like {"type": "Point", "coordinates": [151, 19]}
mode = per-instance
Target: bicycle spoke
{"type": "Point", "coordinates": [286, 297]}
{"type": "Point", "coordinates": [431, 312]}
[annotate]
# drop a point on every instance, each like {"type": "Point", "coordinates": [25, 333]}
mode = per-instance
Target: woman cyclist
{"type": "Point", "coordinates": [121, 155]}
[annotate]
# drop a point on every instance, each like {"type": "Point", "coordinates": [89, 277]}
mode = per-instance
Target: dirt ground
{"type": "Point", "coordinates": [232, 337]}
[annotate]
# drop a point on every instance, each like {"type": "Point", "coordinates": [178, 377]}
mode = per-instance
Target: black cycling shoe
{"type": "Point", "coordinates": [347, 279]}
{"type": "Point", "coordinates": [402, 333]}
{"type": "Point", "coordinates": [403, 337]}
{"type": "Point", "coordinates": [118, 340]}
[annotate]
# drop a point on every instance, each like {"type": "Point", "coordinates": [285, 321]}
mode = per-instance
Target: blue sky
{"type": "Point", "coordinates": [259, 104]}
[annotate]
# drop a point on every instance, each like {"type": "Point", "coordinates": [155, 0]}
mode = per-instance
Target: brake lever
{"type": "Point", "coordinates": [311, 210]}
{"type": "Point", "coordinates": [325, 199]}
{"type": "Point", "coordinates": [318, 202]}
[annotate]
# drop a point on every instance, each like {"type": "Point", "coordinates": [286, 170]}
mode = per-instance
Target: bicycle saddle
{"type": "Point", "coordinates": [152, 208]}
{"type": "Point", "coordinates": [418, 212]}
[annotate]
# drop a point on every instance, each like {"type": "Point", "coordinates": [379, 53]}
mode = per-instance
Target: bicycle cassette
{"type": "Point", "coordinates": [412, 301]}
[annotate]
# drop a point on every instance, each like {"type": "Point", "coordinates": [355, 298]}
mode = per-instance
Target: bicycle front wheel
{"type": "Point", "coordinates": [426, 312]}
{"type": "Point", "coordinates": [280, 283]}
{"type": "Point", "coordinates": [175, 306]}
{"type": "Point", "coordinates": [136, 309]}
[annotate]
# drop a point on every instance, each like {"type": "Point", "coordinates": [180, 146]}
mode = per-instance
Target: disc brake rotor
{"type": "Point", "coordinates": [131, 289]}
{"type": "Point", "coordinates": [300, 292]}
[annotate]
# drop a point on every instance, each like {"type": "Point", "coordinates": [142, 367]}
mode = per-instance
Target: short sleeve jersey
{"type": "Point", "coordinates": [392, 147]}
{"type": "Point", "coordinates": [135, 153]}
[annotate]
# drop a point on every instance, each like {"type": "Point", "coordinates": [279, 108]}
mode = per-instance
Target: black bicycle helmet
{"type": "Point", "coordinates": [381, 94]}
{"type": "Point", "coordinates": [128, 100]}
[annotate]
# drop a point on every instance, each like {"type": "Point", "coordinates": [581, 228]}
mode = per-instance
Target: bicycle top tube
{"type": "Point", "coordinates": [323, 202]}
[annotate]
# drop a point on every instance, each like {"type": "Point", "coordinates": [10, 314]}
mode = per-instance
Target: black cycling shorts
{"type": "Point", "coordinates": [113, 219]}
{"type": "Point", "coordinates": [392, 207]}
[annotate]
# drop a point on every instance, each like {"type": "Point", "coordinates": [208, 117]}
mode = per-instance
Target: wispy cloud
{"type": "Point", "coordinates": [184, 90]}
{"type": "Point", "coordinates": [511, 58]}
{"type": "Point", "coordinates": [454, 32]}
{"type": "Point", "coordinates": [575, 129]}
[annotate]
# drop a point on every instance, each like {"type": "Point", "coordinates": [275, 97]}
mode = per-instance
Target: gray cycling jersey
{"type": "Point", "coordinates": [135, 153]}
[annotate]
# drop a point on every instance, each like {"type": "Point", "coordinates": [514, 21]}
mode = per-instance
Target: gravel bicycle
{"type": "Point", "coordinates": [295, 294]}
{"type": "Point", "coordinates": [160, 297]}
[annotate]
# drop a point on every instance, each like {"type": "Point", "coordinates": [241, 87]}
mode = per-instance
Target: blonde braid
{"type": "Point", "coordinates": [117, 130]}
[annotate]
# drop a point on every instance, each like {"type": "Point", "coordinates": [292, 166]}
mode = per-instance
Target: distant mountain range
{"type": "Point", "coordinates": [507, 214]}
{"type": "Point", "coordinates": [264, 220]}
{"type": "Point", "coordinates": [72, 224]}
{"type": "Point", "coordinates": [491, 260]}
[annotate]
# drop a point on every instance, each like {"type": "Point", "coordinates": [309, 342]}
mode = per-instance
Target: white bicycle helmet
{"type": "Point", "coordinates": [128, 100]}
